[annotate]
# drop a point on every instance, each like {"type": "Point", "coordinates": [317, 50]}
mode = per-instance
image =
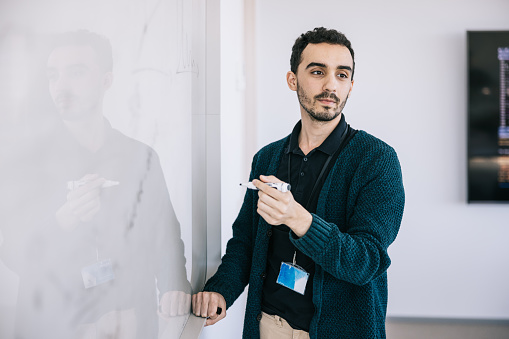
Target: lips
{"type": "Point", "coordinates": [63, 99]}
{"type": "Point", "coordinates": [327, 101]}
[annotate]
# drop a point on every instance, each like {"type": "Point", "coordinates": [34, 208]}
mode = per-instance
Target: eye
{"type": "Point", "coordinates": [343, 75]}
{"type": "Point", "coordinates": [317, 72]}
{"type": "Point", "coordinates": [78, 72]}
{"type": "Point", "coordinates": [52, 76]}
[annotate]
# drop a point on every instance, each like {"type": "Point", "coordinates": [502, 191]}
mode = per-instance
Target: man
{"type": "Point", "coordinates": [97, 243]}
{"type": "Point", "coordinates": [334, 227]}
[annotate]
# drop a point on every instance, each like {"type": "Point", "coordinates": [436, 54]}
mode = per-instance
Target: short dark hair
{"type": "Point", "coordinates": [82, 37]}
{"type": "Point", "coordinates": [316, 36]}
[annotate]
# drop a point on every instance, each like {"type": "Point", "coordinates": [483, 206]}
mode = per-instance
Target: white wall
{"type": "Point", "coordinates": [450, 259]}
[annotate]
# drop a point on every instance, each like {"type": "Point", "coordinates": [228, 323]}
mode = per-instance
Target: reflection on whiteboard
{"type": "Point", "coordinates": [96, 213]}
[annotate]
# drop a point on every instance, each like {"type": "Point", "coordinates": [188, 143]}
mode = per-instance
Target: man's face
{"type": "Point", "coordinates": [323, 81]}
{"type": "Point", "coordinates": [76, 82]}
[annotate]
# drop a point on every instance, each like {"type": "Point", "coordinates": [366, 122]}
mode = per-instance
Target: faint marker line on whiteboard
{"type": "Point", "coordinates": [145, 28]}
{"type": "Point", "coordinates": [186, 63]}
{"type": "Point", "coordinates": [150, 69]}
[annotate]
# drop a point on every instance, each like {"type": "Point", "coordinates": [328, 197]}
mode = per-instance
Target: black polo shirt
{"type": "Point", "coordinates": [302, 171]}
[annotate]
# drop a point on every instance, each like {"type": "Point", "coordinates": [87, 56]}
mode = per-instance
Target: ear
{"type": "Point", "coordinates": [291, 80]}
{"type": "Point", "coordinates": [108, 80]}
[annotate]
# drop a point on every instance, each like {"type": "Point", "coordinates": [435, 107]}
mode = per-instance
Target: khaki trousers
{"type": "Point", "coordinates": [275, 327]}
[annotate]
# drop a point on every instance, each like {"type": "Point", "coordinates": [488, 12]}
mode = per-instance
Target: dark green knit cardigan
{"type": "Point", "coordinates": [358, 216]}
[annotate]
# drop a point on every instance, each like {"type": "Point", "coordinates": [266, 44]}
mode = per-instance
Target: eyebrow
{"type": "Point", "coordinates": [80, 65]}
{"type": "Point", "coordinates": [313, 64]}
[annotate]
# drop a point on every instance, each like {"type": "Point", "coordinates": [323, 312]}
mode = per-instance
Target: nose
{"type": "Point", "coordinates": [59, 89]}
{"type": "Point", "coordinates": [59, 83]}
{"type": "Point", "coordinates": [330, 83]}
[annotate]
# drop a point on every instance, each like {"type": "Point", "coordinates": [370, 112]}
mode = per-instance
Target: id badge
{"type": "Point", "coordinates": [293, 277]}
{"type": "Point", "coordinates": [98, 273]}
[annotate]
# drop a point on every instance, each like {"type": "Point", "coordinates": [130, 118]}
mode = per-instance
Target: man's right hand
{"type": "Point", "coordinates": [82, 204]}
{"type": "Point", "coordinates": [205, 305]}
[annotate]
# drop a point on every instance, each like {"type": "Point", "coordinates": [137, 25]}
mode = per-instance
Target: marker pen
{"type": "Point", "coordinates": [280, 186]}
{"type": "Point", "coordinates": [72, 185]}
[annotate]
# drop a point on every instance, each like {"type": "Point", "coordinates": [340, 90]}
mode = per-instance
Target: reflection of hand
{"type": "Point", "coordinates": [278, 208]}
{"type": "Point", "coordinates": [83, 203]}
{"type": "Point", "coordinates": [174, 303]}
{"type": "Point", "coordinates": [207, 304]}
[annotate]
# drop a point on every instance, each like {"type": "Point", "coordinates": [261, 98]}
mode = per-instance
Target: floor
{"type": "Point", "coordinates": [403, 328]}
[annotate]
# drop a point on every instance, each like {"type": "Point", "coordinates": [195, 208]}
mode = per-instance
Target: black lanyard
{"type": "Point", "coordinates": [324, 167]}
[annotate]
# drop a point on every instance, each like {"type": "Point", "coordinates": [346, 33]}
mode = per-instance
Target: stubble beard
{"type": "Point", "coordinates": [306, 103]}
{"type": "Point", "coordinates": [76, 109]}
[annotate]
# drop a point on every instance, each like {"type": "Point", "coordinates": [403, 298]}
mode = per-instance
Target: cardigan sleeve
{"type": "Point", "coordinates": [232, 275]}
{"type": "Point", "coordinates": [359, 253]}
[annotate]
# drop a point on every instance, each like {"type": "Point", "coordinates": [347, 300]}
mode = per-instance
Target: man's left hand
{"type": "Point", "coordinates": [278, 208]}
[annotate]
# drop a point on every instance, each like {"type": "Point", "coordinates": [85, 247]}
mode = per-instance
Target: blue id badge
{"type": "Point", "coordinates": [98, 273]}
{"type": "Point", "coordinates": [293, 277]}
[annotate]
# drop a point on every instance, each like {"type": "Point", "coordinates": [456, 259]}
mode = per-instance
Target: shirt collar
{"type": "Point", "coordinates": [329, 146]}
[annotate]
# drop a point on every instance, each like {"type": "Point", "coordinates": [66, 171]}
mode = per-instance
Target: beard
{"type": "Point", "coordinates": [328, 114]}
{"type": "Point", "coordinates": [74, 107]}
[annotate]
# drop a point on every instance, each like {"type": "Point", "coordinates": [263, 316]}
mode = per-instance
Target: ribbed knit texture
{"type": "Point", "coordinates": [358, 216]}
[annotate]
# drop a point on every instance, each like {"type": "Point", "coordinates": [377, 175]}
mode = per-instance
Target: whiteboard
{"type": "Point", "coordinates": [158, 98]}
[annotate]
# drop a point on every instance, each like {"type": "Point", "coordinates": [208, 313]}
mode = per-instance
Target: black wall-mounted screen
{"type": "Point", "coordinates": [488, 116]}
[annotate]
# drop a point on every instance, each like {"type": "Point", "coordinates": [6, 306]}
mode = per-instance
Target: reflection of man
{"type": "Point", "coordinates": [99, 252]}
{"type": "Point", "coordinates": [331, 232]}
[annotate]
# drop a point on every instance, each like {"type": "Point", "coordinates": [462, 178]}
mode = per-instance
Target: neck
{"type": "Point", "coordinates": [89, 132]}
{"type": "Point", "coordinates": [314, 133]}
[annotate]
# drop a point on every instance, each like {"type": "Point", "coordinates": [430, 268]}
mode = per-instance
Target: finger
{"type": "Point", "coordinates": [204, 305]}
{"type": "Point", "coordinates": [188, 303]}
{"type": "Point", "coordinates": [96, 183]}
{"type": "Point", "coordinates": [276, 194]}
{"type": "Point", "coordinates": [86, 192]}
{"type": "Point", "coordinates": [91, 213]}
{"type": "Point", "coordinates": [163, 306]}
{"type": "Point", "coordinates": [218, 317]}
{"type": "Point", "coordinates": [260, 184]}
{"type": "Point", "coordinates": [267, 217]}
{"type": "Point", "coordinates": [89, 176]}
{"type": "Point", "coordinates": [211, 321]}
{"type": "Point", "coordinates": [84, 207]}
{"type": "Point", "coordinates": [173, 304]}
{"type": "Point", "coordinates": [212, 308]}
{"type": "Point", "coordinates": [277, 199]}
{"type": "Point", "coordinates": [198, 304]}
{"type": "Point", "coordinates": [184, 302]}
{"type": "Point", "coordinates": [76, 201]}
{"type": "Point", "coordinates": [193, 303]}
{"type": "Point", "coordinates": [88, 186]}
{"type": "Point", "coordinates": [275, 208]}
{"type": "Point", "coordinates": [165, 303]}
{"type": "Point", "coordinates": [268, 199]}
{"type": "Point", "coordinates": [180, 300]}
{"type": "Point", "coordinates": [267, 209]}
{"type": "Point", "coordinates": [269, 178]}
